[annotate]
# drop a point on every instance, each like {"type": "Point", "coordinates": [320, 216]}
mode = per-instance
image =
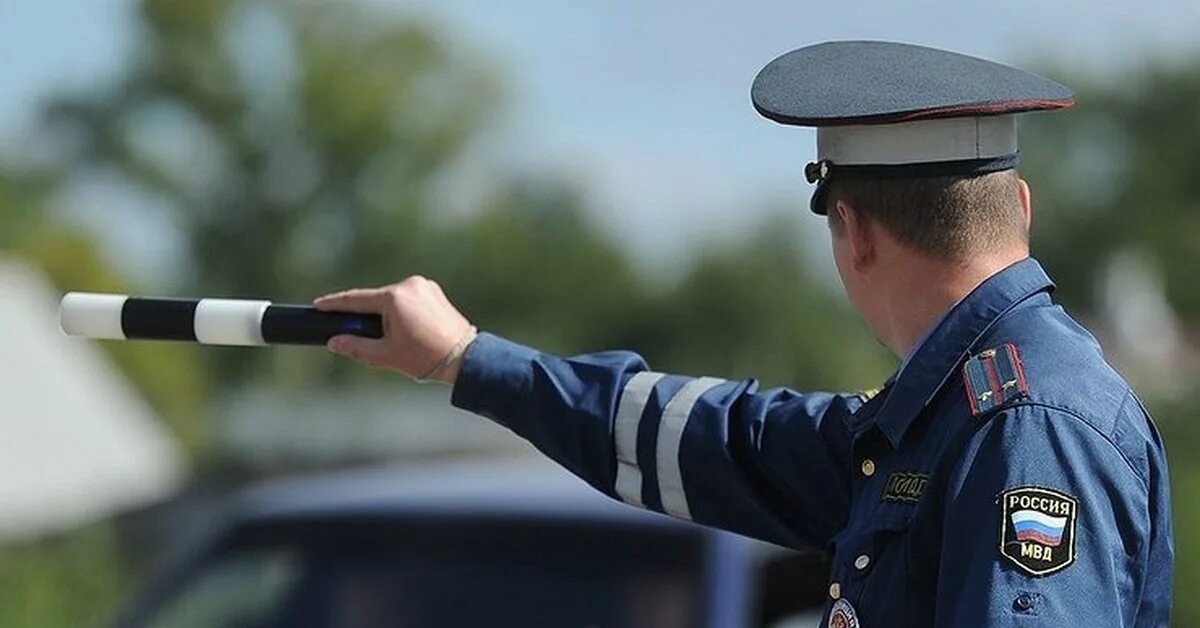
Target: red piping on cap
{"type": "Point", "coordinates": [952, 111]}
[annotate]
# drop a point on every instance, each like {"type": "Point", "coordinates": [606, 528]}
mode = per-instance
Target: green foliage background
{"type": "Point", "coordinates": [322, 172]}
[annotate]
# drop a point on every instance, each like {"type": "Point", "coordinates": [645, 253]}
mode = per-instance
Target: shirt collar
{"type": "Point", "coordinates": [920, 343]}
{"type": "Point", "coordinates": [950, 341]}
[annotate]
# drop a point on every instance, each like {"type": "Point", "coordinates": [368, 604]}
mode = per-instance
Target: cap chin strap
{"type": "Point", "coordinates": [820, 172]}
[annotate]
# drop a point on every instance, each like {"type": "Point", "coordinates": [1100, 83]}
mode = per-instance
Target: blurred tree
{"type": "Point", "coordinates": [535, 267]}
{"type": "Point", "coordinates": [1116, 172]}
{"type": "Point", "coordinates": [1181, 433]}
{"type": "Point", "coordinates": [69, 581]}
{"type": "Point", "coordinates": [754, 309]}
{"type": "Point", "coordinates": [22, 208]}
{"type": "Point", "coordinates": [297, 144]}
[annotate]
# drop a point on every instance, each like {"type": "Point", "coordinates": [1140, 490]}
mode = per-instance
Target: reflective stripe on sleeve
{"type": "Point", "coordinates": [670, 435]}
{"type": "Point", "coordinates": [634, 398]}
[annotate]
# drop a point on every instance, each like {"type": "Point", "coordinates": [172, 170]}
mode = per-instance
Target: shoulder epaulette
{"type": "Point", "coordinates": [994, 377]}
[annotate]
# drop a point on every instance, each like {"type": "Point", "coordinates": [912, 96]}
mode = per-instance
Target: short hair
{"type": "Point", "coordinates": [950, 218]}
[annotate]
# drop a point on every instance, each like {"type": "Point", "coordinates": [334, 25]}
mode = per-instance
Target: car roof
{"type": "Point", "coordinates": [514, 489]}
{"type": "Point", "coordinates": [508, 488]}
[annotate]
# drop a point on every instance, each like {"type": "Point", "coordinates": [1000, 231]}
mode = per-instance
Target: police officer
{"type": "Point", "coordinates": [1005, 475]}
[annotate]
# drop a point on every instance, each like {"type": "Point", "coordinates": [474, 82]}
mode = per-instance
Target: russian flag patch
{"type": "Point", "coordinates": [1032, 525]}
{"type": "Point", "coordinates": [1037, 529]}
{"type": "Point", "coordinates": [993, 378]}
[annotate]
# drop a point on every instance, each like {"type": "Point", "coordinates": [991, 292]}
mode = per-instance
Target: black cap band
{"type": "Point", "coordinates": [823, 171]}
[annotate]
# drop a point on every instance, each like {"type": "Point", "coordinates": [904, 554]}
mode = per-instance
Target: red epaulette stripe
{"type": "Point", "coordinates": [970, 391]}
{"type": "Point", "coordinates": [989, 366]}
{"type": "Point", "coordinates": [1020, 368]}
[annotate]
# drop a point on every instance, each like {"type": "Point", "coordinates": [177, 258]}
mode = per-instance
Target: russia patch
{"type": "Point", "coordinates": [843, 615]}
{"type": "Point", "coordinates": [994, 377]}
{"type": "Point", "coordinates": [1037, 529]}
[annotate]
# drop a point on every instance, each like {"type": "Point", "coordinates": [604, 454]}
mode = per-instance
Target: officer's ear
{"type": "Point", "coordinates": [857, 231]}
{"type": "Point", "coordinates": [1026, 203]}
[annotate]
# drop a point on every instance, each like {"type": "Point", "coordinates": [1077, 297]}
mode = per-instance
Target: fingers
{"type": "Point", "coordinates": [369, 351]}
{"type": "Point", "coordinates": [421, 325]}
{"type": "Point", "coordinates": [358, 300]}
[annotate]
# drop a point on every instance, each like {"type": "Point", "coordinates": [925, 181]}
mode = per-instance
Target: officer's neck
{"type": "Point", "coordinates": [920, 290]}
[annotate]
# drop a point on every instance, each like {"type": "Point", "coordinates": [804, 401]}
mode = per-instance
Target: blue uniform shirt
{"type": "Point", "coordinates": [1007, 476]}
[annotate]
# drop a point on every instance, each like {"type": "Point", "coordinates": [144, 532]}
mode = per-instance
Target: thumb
{"type": "Point", "coordinates": [369, 351]}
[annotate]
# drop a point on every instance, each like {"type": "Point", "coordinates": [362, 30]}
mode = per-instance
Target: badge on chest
{"type": "Point", "coordinates": [1037, 529]}
{"type": "Point", "coordinates": [905, 487]}
{"type": "Point", "coordinates": [843, 615]}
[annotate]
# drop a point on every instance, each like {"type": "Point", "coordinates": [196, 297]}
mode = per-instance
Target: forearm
{"type": "Point", "coordinates": [702, 449]}
{"type": "Point", "coordinates": [564, 407]}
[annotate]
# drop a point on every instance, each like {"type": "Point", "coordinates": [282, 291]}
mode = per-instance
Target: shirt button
{"type": "Point", "coordinates": [835, 590]}
{"type": "Point", "coordinates": [861, 562]}
{"type": "Point", "coordinates": [868, 467]}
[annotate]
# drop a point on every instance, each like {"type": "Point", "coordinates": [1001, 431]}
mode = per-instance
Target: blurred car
{"type": "Point", "coordinates": [471, 545]}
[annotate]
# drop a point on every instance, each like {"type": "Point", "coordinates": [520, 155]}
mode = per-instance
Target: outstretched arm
{"type": "Point", "coordinates": [771, 464]}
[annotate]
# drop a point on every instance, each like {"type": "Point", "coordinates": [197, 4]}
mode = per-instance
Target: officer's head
{"type": "Point", "coordinates": [880, 227]}
{"type": "Point", "coordinates": [916, 151]}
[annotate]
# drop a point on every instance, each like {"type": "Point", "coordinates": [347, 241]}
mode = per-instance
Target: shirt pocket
{"type": "Point", "coordinates": [880, 566]}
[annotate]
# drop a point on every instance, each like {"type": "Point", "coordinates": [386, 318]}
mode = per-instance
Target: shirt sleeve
{"type": "Point", "coordinates": [1046, 524]}
{"type": "Point", "coordinates": [772, 465]}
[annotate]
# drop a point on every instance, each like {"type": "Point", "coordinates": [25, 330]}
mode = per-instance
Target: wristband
{"type": "Point", "coordinates": [434, 375]}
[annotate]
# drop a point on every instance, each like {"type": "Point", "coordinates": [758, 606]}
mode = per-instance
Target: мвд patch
{"type": "Point", "coordinates": [1037, 529]}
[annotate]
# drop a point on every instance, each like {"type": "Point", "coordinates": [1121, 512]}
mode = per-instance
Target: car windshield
{"type": "Point", "coordinates": [443, 573]}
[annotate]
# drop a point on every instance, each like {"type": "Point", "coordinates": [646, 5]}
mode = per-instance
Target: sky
{"type": "Point", "coordinates": [646, 103]}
